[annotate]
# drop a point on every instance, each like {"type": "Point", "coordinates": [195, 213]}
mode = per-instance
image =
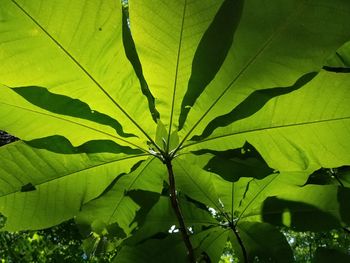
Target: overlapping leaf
{"type": "Point", "coordinates": [115, 206]}
{"type": "Point", "coordinates": [41, 188]}
{"type": "Point", "coordinates": [300, 130]}
{"type": "Point", "coordinates": [80, 55]}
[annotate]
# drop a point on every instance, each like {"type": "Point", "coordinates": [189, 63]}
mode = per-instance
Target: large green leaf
{"type": "Point", "coordinates": [279, 199]}
{"type": "Point", "coordinates": [115, 206]}
{"type": "Point", "coordinates": [161, 219]}
{"type": "Point", "coordinates": [306, 129]}
{"type": "Point", "coordinates": [40, 188]}
{"type": "Point", "coordinates": [274, 45]}
{"type": "Point", "coordinates": [298, 209]}
{"type": "Point", "coordinates": [266, 242]}
{"type": "Point", "coordinates": [72, 55]}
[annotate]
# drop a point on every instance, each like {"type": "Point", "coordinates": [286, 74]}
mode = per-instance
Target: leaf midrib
{"type": "Point", "coordinates": [176, 74]}
{"type": "Point", "coordinates": [255, 197]}
{"type": "Point", "coordinates": [75, 123]}
{"type": "Point", "coordinates": [76, 172]}
{"type": "Point", "coordinates": [76, 62]}
{"type": "Point", "coordinates": [200, 188]}
{"type": "Point", "coordinates": [266, 129]}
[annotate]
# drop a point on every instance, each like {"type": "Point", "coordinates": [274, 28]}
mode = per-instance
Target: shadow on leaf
{"type": "Point", "coordinates": [60, 144]}
{"type": "Point", "coordinates": [252, 104]}
{"type": "Point", "coordinates": [236, 163]}
{"type": "Point", "coordinates": [146, 200]}
{"type": "Point", "coordinates": [131, 53]}
{"type": "Point", "coordinates": [344, 206]}
{"type": "Point", "coordinates": [216, 42]}
{"type": "Point", "coordinates": [65, 105]}
{"type": "Point", "coordinates": [297, 215]}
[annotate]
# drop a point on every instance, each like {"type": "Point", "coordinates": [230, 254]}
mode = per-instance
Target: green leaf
{"type": "Point", "coordinates": [132, 55]}
{"type": "Point", "coordinates": [115, 206]}
{"type": "Point", "coordinates": [266, 242]}
{"type": "Point", "coordinates": [212, 241]}
{"type": "Point", "coordinates": [252, 104]}
{"type": "Point", "coordinates": [217, 41]}
{"type": "Point", "coordinates": [298, 209]}
{"type": "Point", "coordinates": [295, 131]}
{"type": "Point", "coordinates": [176, 29]}
{"type": "Point", "coordinates": [340, 61]}
{"type": "Point", "coordinates": [2, 220]}
{"type": "Point", "coordinates": [71, 55]}
{"type": "Point", "coordinates": [161, 219]}
{"type": "Point", "coordinates": [339, 176]}
{"type": "Point", "coordinates": [278, 199]}
{"type": "Point", "coordinates": [40, 188]}
{"type": "Point", "coordinates": [168, 249]}
{"type": "Point", "coordinates": [59, 144]}
{"type": "Point", "coordinates": [240, 199]}
{"type": "Point", "coordinates": [274, 46]}
{"type": "Point", "coordinates": [174, 140]}
{"type": "Point", "coordinates": [63, 105]}
{"type": "Point", "coordinates": [161, 136]}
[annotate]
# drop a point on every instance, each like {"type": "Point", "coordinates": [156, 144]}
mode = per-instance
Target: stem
{"type": "Point", "coordinates": [177, 210]}
{"type": "Point", "coordinates": [333, 172]}
{"type": "Point", "coordinates": [310, 250]}
{"type": "Point", "coordinates": [244, 252]}
{"type": "Point", "coordinates": [339, 181]}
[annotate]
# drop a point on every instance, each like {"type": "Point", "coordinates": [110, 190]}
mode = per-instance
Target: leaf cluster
{"type": "Point", "coordinates": [175, 128]}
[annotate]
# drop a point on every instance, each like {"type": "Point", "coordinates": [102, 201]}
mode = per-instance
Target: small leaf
{"type": "Point", "coordinates": [28, 187]}
{"type": "Point", "coordinates": [161, 135]}
{"type": "Point", "coordinates": [174, 140]}
{"type": "Point", "coordinates": [340, 60]}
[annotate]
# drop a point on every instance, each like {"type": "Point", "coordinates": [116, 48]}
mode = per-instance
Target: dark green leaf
{"type": "Point", "coordinates": [297, 215]}
{"type": "Point", "coordinates": [234, 164]}
{"type": "Point", "coordinates": [265, 242]}
{"type": "Point", "coordinates": [169, 249]}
